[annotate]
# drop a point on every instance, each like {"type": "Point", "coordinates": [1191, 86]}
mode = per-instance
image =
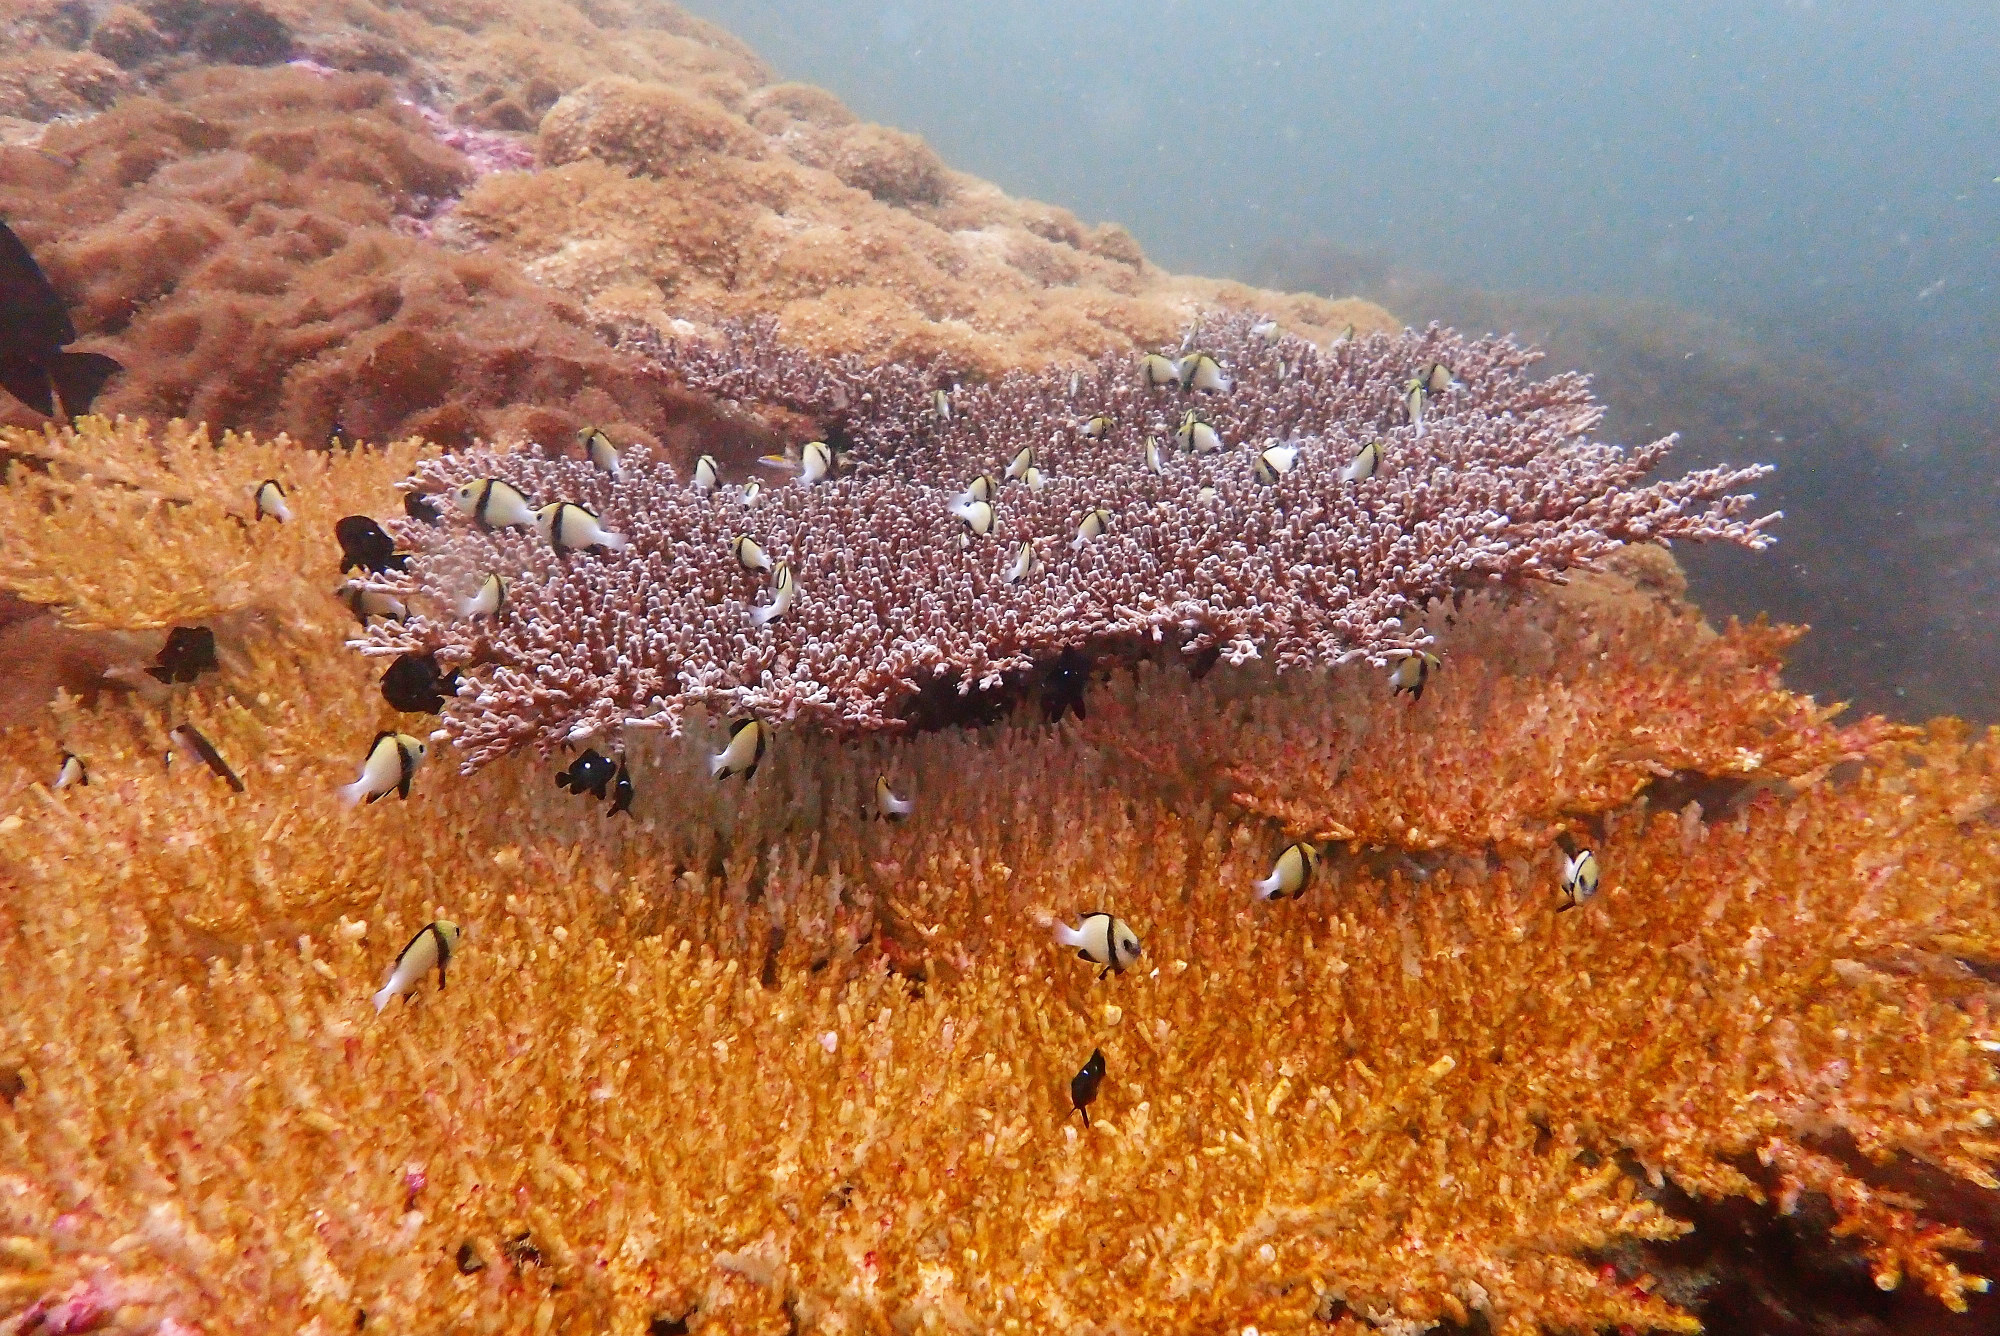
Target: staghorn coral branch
{"type": "Point", "coordinates": [895, 600]}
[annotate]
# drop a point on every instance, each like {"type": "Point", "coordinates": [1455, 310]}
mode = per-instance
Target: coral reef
{"type": "Point", "coordinates": [749, 1061]}
{"type": "Point", "coordinates": [287, 249]}
{"type": "Point", "coordinates": [896, 605]}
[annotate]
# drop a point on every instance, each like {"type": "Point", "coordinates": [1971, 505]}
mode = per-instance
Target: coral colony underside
{"type": "Point", "coordinates": [1586, 929]}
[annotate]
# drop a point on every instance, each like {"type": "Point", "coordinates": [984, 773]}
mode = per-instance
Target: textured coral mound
{"type": "Point", "coordinates": [748, 1061]}
{"type": "Point", "coordinates": [287, 250]}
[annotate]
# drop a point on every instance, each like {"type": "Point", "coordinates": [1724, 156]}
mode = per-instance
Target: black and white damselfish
{"type": "Point", "coordinates": [34, 326]}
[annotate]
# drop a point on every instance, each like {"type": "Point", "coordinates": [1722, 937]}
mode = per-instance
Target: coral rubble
{"type": "Point", "coordinates": [748, 1060]}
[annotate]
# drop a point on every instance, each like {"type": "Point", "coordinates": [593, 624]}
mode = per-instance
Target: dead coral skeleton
{"type": "Point", "coordinates": [906, 583]}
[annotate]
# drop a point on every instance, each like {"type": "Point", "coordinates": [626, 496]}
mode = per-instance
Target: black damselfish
{"type": "Point", "coordinates": [415, 684]}
{"type": "Point", "coordinates": [188, 653]}
{"type": "Point", "coordinates": [366, 544]}
{"type": "Point", "coordinates": [34, 326]}
{"type": "Point", "coordinates": [590, 773]}
{"type": "Point", "coordinates": [1083, 1086]}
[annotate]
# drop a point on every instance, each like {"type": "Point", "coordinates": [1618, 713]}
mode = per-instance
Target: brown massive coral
{"type": "Point", "coordinates": [746, 1060]}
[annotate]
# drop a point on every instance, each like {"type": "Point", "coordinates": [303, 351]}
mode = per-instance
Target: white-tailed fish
{"type": "Point", "coordinates": [1154, 463]}
{"type": "Point", "coordinates": [1156, 371]}
{"type": "Point", "coordinates": [1095, 427]}
{"type": "Point", "coordinates": [599, 450]}
{"type": "Point", "coordinates": [1075, 383]}
{"type": "Point", "coordinates": [1413, 402]}
{"type": "Point", "coordinates": [1102, 940]}
{"type": "Point", "coordinates": [1579, 880]}
{"type": "Point", "coordinates": [1197, 436]}
{"type": "Point", "coordinates": [270, 497]}
{"type": "Point", "coordinates": [1274, 462]}
{"type": "Point", "coordinates": [707, 477]}
{"type": "Point", "coordinates": [1366, 460]}
{"type": "Point", "coordinates": [391, 762]}
{"type": "Point", "coordinates": [1018, 466]}
{"type": "Point", "coordinates": [815, 462]}
{"type": "Point", "coordinates": [429, 950]}
{"type": "Point", "coordinates": [745, 750]}
{"type": "Point", "coordinates": [1413, 674]}
{"type": "Point", "coordinates": [1266, 330]}
{"type": "Point", "coordinates": [783, 589]}
{"type": "Point", "coordinates": [980, 488]}
{"type": "Point", "coordinates": [751, 491]}
{"type": "Point", "coordinates": [495, 503]}
{"type": "Point", "coordinates": [71, 771]}
{"type": "Point", "coordinates": [1026, 563]}
{"type": "Point", "coordinates": [570, 527]}
{"type": "Point", "coordinates": [1033, 477]}
{"type": "Point", "coordinates": [941, 405]}
{"type": "Point", "coordinates": [748, 555]}
{"type": "Point", "coordinates": [1199, 371]}
{"type": "Point", "coordinates": [1435, 378]}
{"type": "Point", "coordinates": [365, 603]}
{"type": "Point", "coordinates": [1093, 526]}
{"type": "Point", "coordinates": [977, 516]}
{"type": "Point", "coordinates": [487, 601]}
{"type": "Point", "coordinates": [888, 807]}
{"type": "Point", "coordinates": [1291, 874]}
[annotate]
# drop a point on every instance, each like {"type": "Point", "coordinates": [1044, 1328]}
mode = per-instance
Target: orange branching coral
{"type": "Point", "coordinates": [1551, 705]}
{"type": "Point", "coordinates": [751, 1061]}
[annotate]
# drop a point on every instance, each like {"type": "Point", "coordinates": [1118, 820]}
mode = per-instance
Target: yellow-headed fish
{"type": "Point", "coordinates": [745, 750]}
{"type": "Point", "coordinates": [1199, 371]}
{"type": "Point", "coordinates": [1413, 674]}
{"type": "Point", "coordinates": [429, 950]}
{"type": "Point", "coordinates": [707, 477]}
{"type": "Point", "coordinates": [570, 527]}
{"type": "Point", "coordinates": [1026, 563]}
{"type": "Point", "coordinates": [1154, 464]}
{"type": "Point", "coordinates": [487, 601]}
{"type": "Point", "coordinates": [888, 807]}
{"type": "Point", "coordinates": [1033, 477]}
{"type": "Point", "coordinates": [1198, 436]}
{"type": "Point", "coordinates": [1266, 330]}
{"type": "Point", "coordinates": [391, 762]}
{"type": "Point", "coordinates": [1366, 460]}
{"type": "Point", "coordinates": [941, 405]}
{"type": "Point", "coordinates": [1579, 880]}
{"type": "Point", "coordinates": [748, 555]}
{"type": "Point", "coordinates": [494, 503]}
{"type": "Point", "coordinates": [782, 591]}
{"type": "Point", "coordinates": [1291, 874]}
{"type": "Point", "coordinates": [1274, 462]}
{"type": "Point", "coordinates": [751, 491]}
{"type": "Point", "coordinates": [1018, 466]}
{"type": "Point", "coordinates": [1093, 526]}
{"type": "Point", "coordinates": [270, 497]}
{"type": "Point", "coordinates": [1100, 425]}
{"type": "Point", "coordinates": [980, 488]}
{"type": "Point", "coordinates": [1156, 371]}
{"type": "Point", "coordinates": [1413, 402]}
{"type": "Point", "coordinates": [1102, 940]}
{"type": "Point", "coordinates": [599, 450]}
{"type": "Point", "coordinates": [977, 515]}
{"type": "Point", "coordinates": [1435, 378]}
{"type": "Point", "coordinates": [815, 462]}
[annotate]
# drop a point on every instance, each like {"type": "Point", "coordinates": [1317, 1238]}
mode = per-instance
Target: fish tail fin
{"type": "Point", "coordinates": [1266, 888]}
{"type": "Point", "coordinates": [617, 542]}
{"type": "Point", "coordinates": [78, 377]}
{"type": "Point", "coordinates": [1067, 935]}
{"type": "Point", "coordinates": [352, 794]}
{"type": "Point", "coordinates": [382, 998]}
{"type": "Point", "coordinates": [718, 766]}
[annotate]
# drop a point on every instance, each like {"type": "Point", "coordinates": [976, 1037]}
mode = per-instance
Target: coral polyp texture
{"type": "Point", "coordinates": [747, 1060]}
{"type": "Point", "coordinates": [907, 593]}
